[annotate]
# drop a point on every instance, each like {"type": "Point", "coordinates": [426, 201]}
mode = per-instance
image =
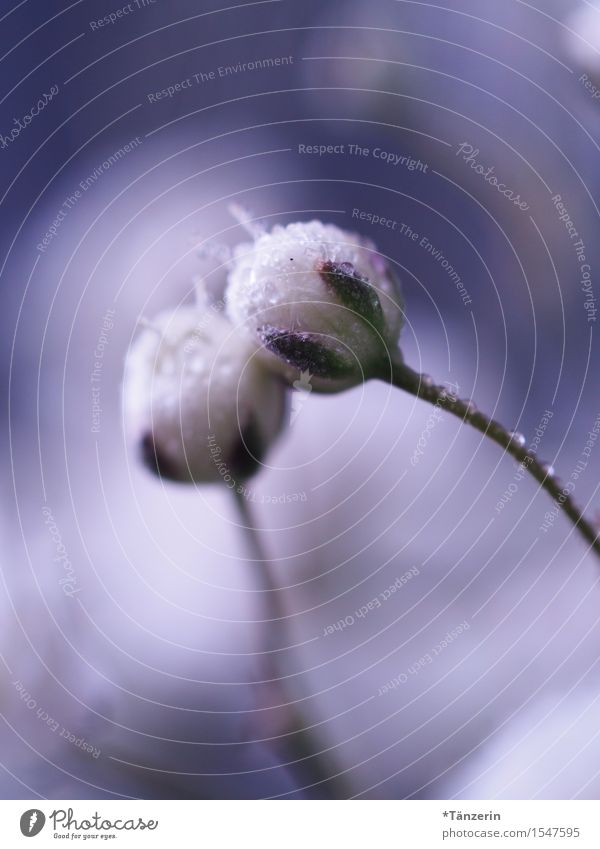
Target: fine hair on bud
{"type": "Point", "coordinates": [317, 298]}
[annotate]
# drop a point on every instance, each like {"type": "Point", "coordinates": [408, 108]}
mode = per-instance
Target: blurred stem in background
{"type": "Point", "coordinates": [310, 763]}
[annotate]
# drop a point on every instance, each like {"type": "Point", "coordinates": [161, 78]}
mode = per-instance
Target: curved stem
{"type": "Point", "coordinates": [422, 386]}
{"type": "Point", "coordinates": [301, 750]}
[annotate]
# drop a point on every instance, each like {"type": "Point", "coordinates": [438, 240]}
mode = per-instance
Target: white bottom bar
{"type": "Point", "coordinates": [302, 824]}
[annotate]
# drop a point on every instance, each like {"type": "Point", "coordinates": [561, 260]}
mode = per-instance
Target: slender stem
{"type": "Point", "coordinates": [301, 748]}
{"type": "Point", "coordinates": [274, 608]}
{"type": "Point", "coordinates": [422, 386]}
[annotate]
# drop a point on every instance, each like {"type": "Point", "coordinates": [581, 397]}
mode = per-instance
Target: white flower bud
{"type": "Point", "coordinates": [318, 299]}
{"type": "Point", "coordinates": [198, 400]}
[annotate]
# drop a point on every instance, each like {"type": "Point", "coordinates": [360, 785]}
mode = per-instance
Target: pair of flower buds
{"type": "Point", "coordinates": [206, 390]}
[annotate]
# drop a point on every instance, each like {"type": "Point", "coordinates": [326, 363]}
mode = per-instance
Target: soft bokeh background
{"type": "Point", "coordinates": [152, 661]}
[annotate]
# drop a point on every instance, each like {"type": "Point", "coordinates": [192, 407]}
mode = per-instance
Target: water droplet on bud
{"type": "Point", "coordinates": [517, 438]}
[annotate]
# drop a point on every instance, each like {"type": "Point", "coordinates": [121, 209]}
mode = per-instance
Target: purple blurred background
{"type": "Point", "coordinates": [134, 678]}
